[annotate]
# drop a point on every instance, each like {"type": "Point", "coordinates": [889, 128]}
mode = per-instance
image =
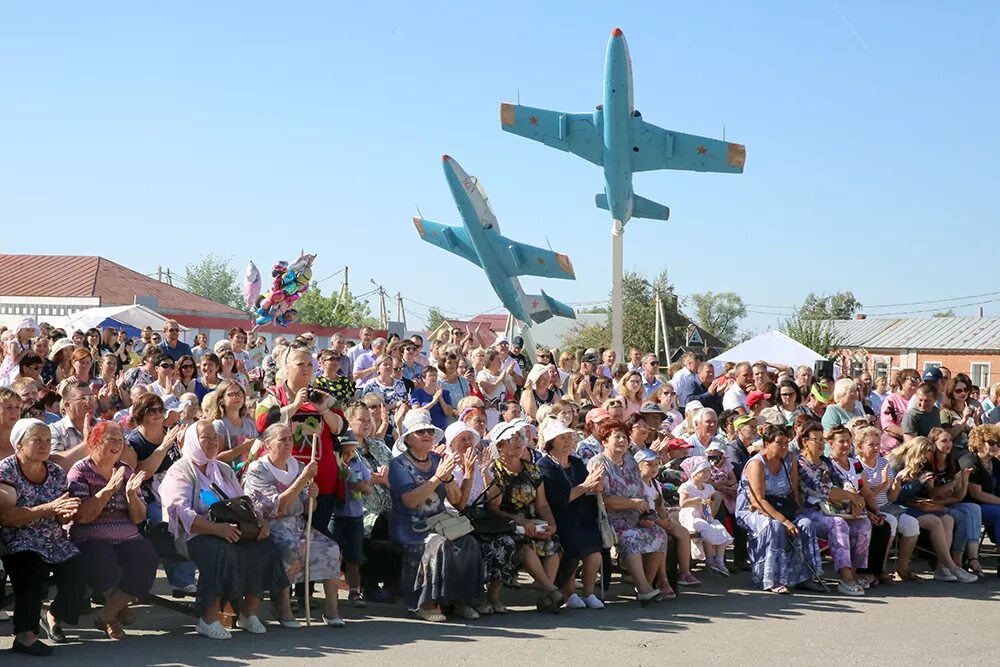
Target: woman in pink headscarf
{"type": "Point", "coordinates": [229, 569]}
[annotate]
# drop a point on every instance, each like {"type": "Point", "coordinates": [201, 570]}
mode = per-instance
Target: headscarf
{"type": "Point", "coordinates": [174, 491]}
{"type": "Point", "coordinates": [21, 428]}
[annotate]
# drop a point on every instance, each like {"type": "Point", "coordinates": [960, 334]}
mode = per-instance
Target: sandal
{"type": "Point", "coordinates": [978, 569]}
{"type": "Point", "coordinates": [668, 592]}
{"type": "Point", "coordinates": [126, 616]}
{"type": "Point", "coordinates": [781, 590]}
{"type": "Point", "coordinates": [688, 579]}
{"type": "Point", "coordinates": [110, 628]}
{"type": "Point", "coordinates": [907, 575]}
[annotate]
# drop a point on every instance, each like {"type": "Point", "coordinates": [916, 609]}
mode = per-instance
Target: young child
{"type": "Point", "coordinates": [348, 523]}
{"type": "Point", "coordinates": [696, 515]}
{"type": "Point", "coordinates": [649, 466]}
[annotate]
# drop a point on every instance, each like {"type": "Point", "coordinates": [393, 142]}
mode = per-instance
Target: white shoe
{"type": "Point", "coordinates": [719, 568]}
{"type": "Point", "coordinates": [251, 624]}
{"type": "Point", "coordinates": [593, 602]}
{"type": "Point", "coordinates": [213, 630]}
{"type": "Point", "coordinates": [334, 622]}
{"type": "Point", "coordinates": [944, 574]}
{"type": "Point", "coordinates": [291, 624]}
{"type": "Point", "coordinates": [4, 616]}
{"type": "Point", "coordinates": [574, 601]}
{"type": "Point", "coordinates": [964, 576]}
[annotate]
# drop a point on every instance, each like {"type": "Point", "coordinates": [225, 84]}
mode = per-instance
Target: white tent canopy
{"type": "Point", "coordinates": [772, 347]}
{"type": "Point", "coordinates": [131, 316]}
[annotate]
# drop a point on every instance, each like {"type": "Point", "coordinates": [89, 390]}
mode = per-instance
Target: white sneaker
{"type": "Point", "coordinates": [574, 601]}
{"type": "Point", "coordinates": [251, 624]}
{"type": "Point", "coordinates": [213, 630]}
{"type": "Point", "coordinates": [944, 574]}
{"type": "Point", "coordinates": [853, 590]}
{"type": "Point", "coordinates": [593, 602]}
{"type": "Point", "coordinates": [964, 576]}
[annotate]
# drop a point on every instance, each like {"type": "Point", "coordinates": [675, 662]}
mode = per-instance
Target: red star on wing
{"type": "Point", "coordinates": [533, 120]}
{"type": "Point", "coordinates": [702, 150]}
{"type": "Point", "coordinates": [534, 305]}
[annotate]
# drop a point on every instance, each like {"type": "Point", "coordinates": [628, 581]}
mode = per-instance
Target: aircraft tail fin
{"type": "Point", "coordinates": [542, 307]}
{"type": "Point", "coordinates": [641, 207]}
{"type": "Point", "coordinates": [645, 208]}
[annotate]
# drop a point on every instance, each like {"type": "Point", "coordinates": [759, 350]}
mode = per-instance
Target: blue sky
{"type": "Point", "coordinates": [150, 133]}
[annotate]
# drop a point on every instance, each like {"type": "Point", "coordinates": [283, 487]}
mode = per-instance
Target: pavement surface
{"type": "Point", "coordinates": [723, 622]}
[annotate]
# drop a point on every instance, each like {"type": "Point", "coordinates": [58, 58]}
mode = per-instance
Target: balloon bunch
{"type": "Point", "coordinates": [290, 283]}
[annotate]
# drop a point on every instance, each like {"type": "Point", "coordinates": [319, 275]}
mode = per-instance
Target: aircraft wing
{"type": "Point", "coordinates": [453, 239]}
{"type": "Point", "coordinates": [521, 259]}
{"type": "Point", "coordinates": [665, 149]}
{"type": "Point", "coordinates": [571, 132]}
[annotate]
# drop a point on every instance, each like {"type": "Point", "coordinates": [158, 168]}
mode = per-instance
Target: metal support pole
{"type": "Point", "coordinates": [617, 298]}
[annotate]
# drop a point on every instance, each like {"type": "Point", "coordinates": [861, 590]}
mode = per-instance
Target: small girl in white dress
{"type": "Point", "coordinates": [696, 515]}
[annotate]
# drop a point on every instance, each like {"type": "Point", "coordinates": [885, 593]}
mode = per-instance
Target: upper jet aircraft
{"type": "Point", "coordinates": [616, 138]}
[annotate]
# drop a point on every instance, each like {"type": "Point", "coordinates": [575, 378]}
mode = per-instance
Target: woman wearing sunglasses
{"type": "Point", "coordinates": [984, 486]}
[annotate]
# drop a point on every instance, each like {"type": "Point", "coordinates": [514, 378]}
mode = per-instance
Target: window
{"type": "Point", "coordinates": [979, 371]}
{"type": "Point", "coordinates": [932, 364]}
{"type": "Point", "coordinates": [856, 369]}
{"type": "Point", "coordinates": [881, 369]}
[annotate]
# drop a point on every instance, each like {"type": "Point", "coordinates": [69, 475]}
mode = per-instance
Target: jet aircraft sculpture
{"type": "Point", "coordinates": [479, 241]}
{"type": "Point", "coordinates": [616, 138]}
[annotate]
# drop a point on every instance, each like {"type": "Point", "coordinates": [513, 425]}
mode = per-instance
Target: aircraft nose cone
{"type": "Point", "coordinates": [617, 32]}
{"type": "Point", "coordinates": [445, 158]}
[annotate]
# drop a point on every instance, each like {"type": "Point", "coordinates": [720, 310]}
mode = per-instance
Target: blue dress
{"type": "Point", "coordinates": [775, 559]}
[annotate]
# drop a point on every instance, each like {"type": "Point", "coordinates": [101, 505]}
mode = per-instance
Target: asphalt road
{"type": "Point", "coordinates": [724, 622]}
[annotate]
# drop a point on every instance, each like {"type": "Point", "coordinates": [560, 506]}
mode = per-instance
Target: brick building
{"type": "Point", "coordinates": [969, 345]}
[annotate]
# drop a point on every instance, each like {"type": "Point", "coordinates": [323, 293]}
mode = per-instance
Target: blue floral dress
{"type": "Point", "coordinates": [44, 536]}
{"type": "Point", "coordinates": [776, 560]}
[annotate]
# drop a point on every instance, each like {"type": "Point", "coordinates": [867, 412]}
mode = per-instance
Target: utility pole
{"type": "Point", "coordinates": [383, 314]}
{"type": "Point", "coordinates": [170, 279]}
{"type": "Point", "coordinates": [656, 324]}
{"type": "Point", "coordinates": [344, 289]}
{"type": "Point", "coordinates": [159, 274]}
{"type": "Point", "coordinates": [400, 311]}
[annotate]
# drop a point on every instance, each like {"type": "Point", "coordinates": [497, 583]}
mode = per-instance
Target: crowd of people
{"type": "Point", "coordinates": [437, 474]}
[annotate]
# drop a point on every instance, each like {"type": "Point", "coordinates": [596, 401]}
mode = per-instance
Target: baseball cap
{"type": "Point", "coordinates": [740, 421]}
{"type": "Point", "coordinates": [755, 397]}
{"type": "Point", "coordinates": [651, 409]}
{"type": "Point", "coordinates": [818, 394]}
{"type": "Point", "coordinates": [518, 341]}
{"type": "Point", "coordinates": [590, 358]}
{"type": "Point", "coordinates": [644, 455]}
{"type": "Point", "coordinates": [596, 415]}
{"type": "Point", "coordinates": [933, 374]}
{"type": "Point", "coordinates": [501, 339]}
{"type": "Point", "coordinates": [677, 443]}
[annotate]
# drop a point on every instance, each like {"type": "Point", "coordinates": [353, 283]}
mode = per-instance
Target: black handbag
{"type": "Point", "coordinates": [784, 504]}
{"type": "Point", "coordinates": [485, 522]}
{"type": "Point", "coordinates": [238, 511]}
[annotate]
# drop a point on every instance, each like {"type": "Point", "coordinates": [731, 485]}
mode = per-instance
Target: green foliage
{"type": "Point", "coordinates": [214, 278]}
{"type": "Point", "coordinates": [944, 313]}
{"type": "Point", "coordinates": [839, 306]}
{"type": "Point", "coordinates": [638, 316]}
{"type": "Point", "coordinates": [330, 311]}
{"type": "Point", "coordinates": [719, 314]}
{"type": "Point", "coordinates": [434, 319]}
{"type": "Point", "coordinates": [818, 335]}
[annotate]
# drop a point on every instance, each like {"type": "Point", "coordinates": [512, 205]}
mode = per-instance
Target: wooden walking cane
{"type": "Point", "coordinates": [309, 521]}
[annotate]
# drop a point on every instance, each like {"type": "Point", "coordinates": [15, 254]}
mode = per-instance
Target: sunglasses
{"type": "Point", "coordinates": [167, 366]}
{"type": "Point", "coordinates": [993, 443]}
{"type": "Point", "coordinates": [172, 330]}
{"type": "Point", "coordinates": [397, 368]}
{"type": "Point", "coordinates": [187, 367]}
{"type": "Point", "coordinates": [428, 432]}
{"type": "Point", "coordinates": [787, 395]}
{"type": "Point", "coordinates": [960, 390]}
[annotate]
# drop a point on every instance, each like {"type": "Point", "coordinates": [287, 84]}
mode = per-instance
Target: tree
{"type": "Point", "coordinates": [434, 318]}
{"type": "Point", "coordinates": [331, 311]}
{"type": "Point", "coordinates": [944, 313]}
{"type": "Point", "coordinates": [719, 314]}
{"type": "Point", "coordinates": [214, 278]}
{"type": "Point", "coordinates": [818, 335]}
{"type": "Point", "coordinates": [638, 316]}
{"type": "Point", "coordinates": [839, 306]}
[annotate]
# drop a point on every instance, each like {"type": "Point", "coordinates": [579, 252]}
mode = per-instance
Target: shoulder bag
{"type": "Point", "coordinates": [237, 511]}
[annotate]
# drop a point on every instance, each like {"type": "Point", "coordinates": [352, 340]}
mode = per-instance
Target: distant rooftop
{"type": "Point", "coordinates": [921, 333]}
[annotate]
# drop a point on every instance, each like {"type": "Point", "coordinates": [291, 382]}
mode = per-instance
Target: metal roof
{"type": "Point", "coordinates": [922, 333]}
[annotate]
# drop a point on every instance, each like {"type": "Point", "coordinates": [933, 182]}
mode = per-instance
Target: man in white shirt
{"type": "Point", "coordinates": [735, 397]}
{"type": "Point", "coordinates": [635, 359]}
{"type": "Point", "coordinates": [651, 380]}
{"type": "Point", "coordinates": [690, 367]}
{"type": "Point", "coordinates": [363, 347]}
{"type": "Point", "coordinates": [607, 368]}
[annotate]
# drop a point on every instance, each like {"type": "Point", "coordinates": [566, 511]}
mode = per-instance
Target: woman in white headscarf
{"type": "Point", "coordinates": [229, 569]}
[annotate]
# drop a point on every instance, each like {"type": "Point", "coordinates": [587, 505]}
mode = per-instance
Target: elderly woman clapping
{"type": "Point", "coordinates": [517, 494]}
{"type": "Point", "coordinates": [436, 570]}
{"type": "Point", "coordinates": [118, 561]}
{"type": "Point", "coordinates": [230, 568]}
{"type": "Point", "coordinates": [281, 489]}
{"type": "Point", "coordinates": [36, 542]}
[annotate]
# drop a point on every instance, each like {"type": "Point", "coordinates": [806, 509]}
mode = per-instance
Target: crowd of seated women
{"type": "Point", "coordinates": [439, 481]}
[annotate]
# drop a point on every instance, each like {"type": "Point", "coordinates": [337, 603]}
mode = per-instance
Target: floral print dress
{"type": "Point", "coordinates": [624, 481]}
{"type": "Point", "coordinates": [502, 553]}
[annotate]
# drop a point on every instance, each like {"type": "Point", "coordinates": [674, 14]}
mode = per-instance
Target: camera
{"type": "Point", "coordinates": [316, 396]}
